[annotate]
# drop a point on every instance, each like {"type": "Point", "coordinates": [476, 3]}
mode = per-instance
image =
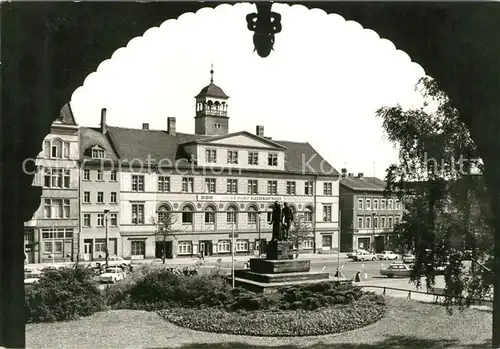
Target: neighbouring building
{"type": "Point", "coordinates": [367, 216]}
{"type": "Point", "coordinates": [52, 233]}
{"type": "Point", "coordinates": [99, 195]}
{"type": "Point", "coordinates": [212, 182]}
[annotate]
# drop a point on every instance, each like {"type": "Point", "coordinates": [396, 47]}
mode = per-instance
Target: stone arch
{"type": "Point", "coordinates": [210, 213]}
{"type": "Point", "coordinates": [188, 213]}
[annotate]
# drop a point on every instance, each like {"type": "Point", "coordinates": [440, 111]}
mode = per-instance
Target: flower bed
{"type": "Point", "coordinates": [326, 320]}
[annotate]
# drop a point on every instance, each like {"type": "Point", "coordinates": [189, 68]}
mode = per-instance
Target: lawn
{"type": "Point", "coordinates": [408, 324]}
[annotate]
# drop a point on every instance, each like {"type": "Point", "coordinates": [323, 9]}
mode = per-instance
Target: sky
{"type": "Point", "coordinates": [322, 83]}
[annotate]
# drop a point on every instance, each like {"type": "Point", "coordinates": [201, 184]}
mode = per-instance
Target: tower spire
{"type": "Point", "coordinates": [211, 73]}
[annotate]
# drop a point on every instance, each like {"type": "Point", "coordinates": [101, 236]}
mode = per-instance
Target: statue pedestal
{"type": "Point", "coordinates": [278, 269]}
{"type": "Point", "coordinates": [279, 250]}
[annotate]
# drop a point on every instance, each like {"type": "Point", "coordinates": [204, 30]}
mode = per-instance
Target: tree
{"type": "Point", "coordinates": [164, 222]}
{"type": "Point", "coordinates": [299, 232]}
{"type": "Point", "coordinates": [439, 180]}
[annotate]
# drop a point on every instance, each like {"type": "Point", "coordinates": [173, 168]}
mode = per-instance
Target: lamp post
{"type": "Point", "coordinates": [232, 251]}
{"type": "Point", "coordinates": [106, 212]}
{"type": "Point", "coordinates": [260, 237]}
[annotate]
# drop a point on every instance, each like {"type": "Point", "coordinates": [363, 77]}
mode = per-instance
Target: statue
{"type": "Point", "coordinates": [287, 221]}
{"type": "Point", "coordinates": [276, 221]}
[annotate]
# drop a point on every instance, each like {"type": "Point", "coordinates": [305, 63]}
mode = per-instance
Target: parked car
{"type": "Point", "coordinates": [31, 280]}
{"type": "Point", "coordinates": [387, 255]}
{"type": "Point", "coordinates": [396, 270]}
{"type": "Point", "coordinates": [31, 272]}
{"type": "Point", "coordinates": [112, 275]}
{"type": "Point", "coordinates": [365, 256]}
{"type": "Point", "coordinates": [408, 258]}
{"type": "Point", "coordinates": [116, 261]}
{"type": "Point", "coordinates": [352, 254]}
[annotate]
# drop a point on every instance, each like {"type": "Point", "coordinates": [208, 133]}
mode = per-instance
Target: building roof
{"type": "Point", "coordinates": [90, 137]}
{"type": "Point", "coordinates": [211, 138]}
{"type": "Point", "coordinates": [363, 183]}
{"type": "Point", "coordinates": [212, 90]}
{"type": "Point", "coordinates": [66, 115]}
{"type": "Point", "coordinates": [159, 145]}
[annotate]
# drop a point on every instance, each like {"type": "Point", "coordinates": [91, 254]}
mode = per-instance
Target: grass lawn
{"type": "Point", "coordinates": [408, 324]}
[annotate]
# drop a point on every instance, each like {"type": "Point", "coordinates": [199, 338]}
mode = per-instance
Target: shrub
{"type": "Point", "coordinates": [63, 294]}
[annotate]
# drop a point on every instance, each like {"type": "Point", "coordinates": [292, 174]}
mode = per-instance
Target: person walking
{"type": "Point", "coordinates": [163, 256]}
{"type": "Point", "coordinates": [357, 278]}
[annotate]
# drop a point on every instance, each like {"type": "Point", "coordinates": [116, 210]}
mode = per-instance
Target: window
{"type": "Point", "coordinates": [59, 233]}
{"type": "Point", "coordinates": [97, 154]}
{"type": "Point", "coordinates": [272, 159]}
{"type": "Point", "coordinates": [100, 197]}
{"type": "Point", "coordinates": [163, 184]}
{"type": "Point", "coordinates": [99, 175]}
{"type": "Point", "coordinates": [327, 189]}
{"type": "Point", "coordinates": [389, 222]}
{"type": "Point", "coordinates": [137, 183]}
{"type": "Point", "coordinates": [209, 215]}
{"type": "Point", "coordinates": [86, 197]}
{"type": "Point", "coordinates": [396, 221]}
{"type": "Point", "coordinates": [232, 186]}
{"type": "Point", "coordinates": [57, 178]}
{"type": "Point", "coordinates": [382, 204]}
{"type": "Point", "coordinates": [327, 241]}
{"type": "Point", "coordinates": [368, 222]}
{"type": "Point", "coordinates": [187, 215]}
{"type": "Point", "coordinates": [308, 188]}
{"type": "Point", "coordinates": [210, 185]}
{"type": "Point", "coordinates": [307, 244]}
{"type": "Point", "coordinates": [224, 246]}
{"type": "Point", "coordinates": [232, 157]}
{"type": "Point", "coordinates": [86, 220]}
{"type": "Point", "coordinates": [396, 204]}
{"type": "Point", "coordinates": [164, 215]}
{"type": "Point", "coordinates": [231, 215]}
{"type": "Point", "coordinates": [360, 204]}
{"type": "Point", "coordinates": [360, 222]}
{"type": "Point", "coordinates": [100, 219]}
{"type": "Point", "coordinates": [290, 188]}
{"type": "Point", "coordinates": [56, 148]}
{"type": "Point", "coordinates": [86, 175]}
{"type": "Point", "coordinates": [185, 247]}
{"type": "Point", "coordinates": [253, 158]}
{"type": "Point", "coordinates": [269, 213]}
{"type": "Point", "coordinates": [252, 187]}
{"type": "Point", "coordinates": [187, 184]}
{"type": "Point", "coordinates": [272, 187]}
{"type": "Point", "coordinates": [252, 215]}
{"type": "Point", "coordinates": [137, 248]}
{"type": "Point", "coordinates": [113, 197]}
{"type": "Point", "coordinates": [113, 176]}
{"type": "Point", "coordinates": [327, 213]}
{"type": "Point", "coordinates": [56, 208]}
{"type": "Point", "coordinates": [368, 204]}
{"type": "Point", "coordinates": [137, 213]}
{"type": "Point", "coordinates": [47, 247]}
{"type": "Point", "coordinates": [308, 214]}
{"type": "Point", "coordinates": [211, 155]}
{"type": "Point", "coordinates": [114, 219]}
{"type": "Point", "coordinates": [389, 204]}
{"type": "Point", "coordinates": [375, 222]}
{"type": "Point", "coordinates": [100, 246]}
{"type": "Point", "coordinates": [241, 245]}
{"type": "Point", "coordinates": [375, 204]}
{"type": "Point", "coordinates": [382, 222]}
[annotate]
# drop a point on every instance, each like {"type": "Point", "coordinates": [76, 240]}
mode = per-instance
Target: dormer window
{"type": "Point", "coordinates": [272, 159]}
{"type": "Point", "coordinates": [97, 153]}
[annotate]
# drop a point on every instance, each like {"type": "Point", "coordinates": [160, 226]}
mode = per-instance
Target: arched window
{"type": "Point", "coordinates": [252, 215]}
{"type": "Point", "coordinates": [56, 149]}
{"type": "Point", "coordinates": [231, 215]}
{"type": "Point", "coordinates": [216, 105]}
{"type": "Point", "coordinates": [163, 215]}
{"type": "Point", "coordinates": [308, 214]}
{"type": "Point", "coordinates": [209, 105]}
{"type": "Point", "coordinates": [269, 213]}
{"type": "Point", "coordinates": [209, 215]}
{"type": "Point", "coordinates": [187, 215]}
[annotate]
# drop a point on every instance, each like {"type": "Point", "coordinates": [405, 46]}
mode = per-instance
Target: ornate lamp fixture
{"type": "Point", "coordinates": [265, 24]}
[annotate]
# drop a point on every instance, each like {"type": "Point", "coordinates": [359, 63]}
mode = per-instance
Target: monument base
{"type": "Point", "coordinates": [279, 250]}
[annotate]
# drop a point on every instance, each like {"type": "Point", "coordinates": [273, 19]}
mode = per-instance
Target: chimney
{"type": "Point", "coordinates": [350, 175]}
{"type": "Point", "coordinates": [171, 126]}
{"type": "Point", "coordinates": [145, 126]}
{"type": "Point", "coordinates": [344, 172]}
{"type": "Point", "coordinates": [104, 127]}
{"type": "Point", "coordinates": [360, 175]}
{"type": "Point", "coordinates": [259, 130]}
